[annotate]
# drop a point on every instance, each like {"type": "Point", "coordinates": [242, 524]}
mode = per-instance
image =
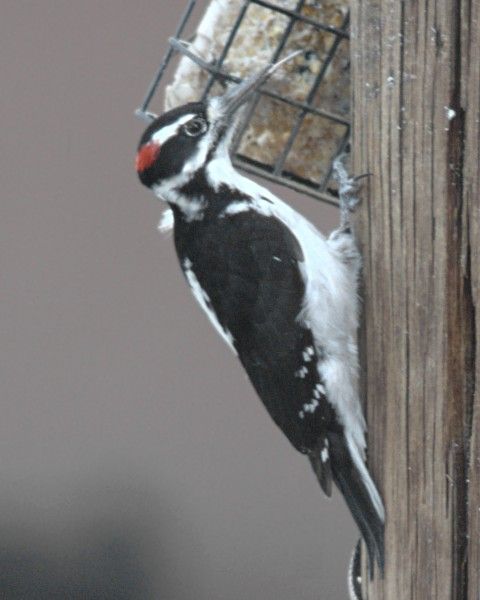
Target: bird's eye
{"type": "Point", "coordinates": [195, 127]}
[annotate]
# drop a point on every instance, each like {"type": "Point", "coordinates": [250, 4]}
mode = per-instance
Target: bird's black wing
{"type": "Point", "coordinates": [248, 267]}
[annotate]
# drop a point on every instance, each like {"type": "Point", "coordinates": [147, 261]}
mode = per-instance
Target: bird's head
{"type": "Point", "coordinates": [184, 140]}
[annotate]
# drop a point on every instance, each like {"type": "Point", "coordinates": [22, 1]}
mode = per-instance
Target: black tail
{"type": "Point", "coordinates": [356, 486]}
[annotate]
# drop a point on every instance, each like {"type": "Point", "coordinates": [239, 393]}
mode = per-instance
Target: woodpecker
{"type": "Point", "coordinates": [282, 296]}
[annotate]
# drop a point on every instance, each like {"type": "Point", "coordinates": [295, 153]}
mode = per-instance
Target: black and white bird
{"type": "Point", "coordinates": [281, 295]}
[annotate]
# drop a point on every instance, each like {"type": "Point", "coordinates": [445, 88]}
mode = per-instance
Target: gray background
{"type": "Point", "coordinates": [135, 459]}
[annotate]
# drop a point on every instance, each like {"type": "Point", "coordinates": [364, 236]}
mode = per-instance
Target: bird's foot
{"type": "Point", "coordinates": [348, 188]}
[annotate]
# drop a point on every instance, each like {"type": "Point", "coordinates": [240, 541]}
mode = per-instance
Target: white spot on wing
{"type": "Point", "coordinates": [301, 372]}
{"type": "Point", "coordinates": [234, 208]}
{"type": "Point", "coordinates": [308, 354]}
{"type": "Point", "coordinates": [311, 406]}
{"type": "Point", "coordinates": [324, 455]}
{"type": "Point", "coordinates": [203, 299]}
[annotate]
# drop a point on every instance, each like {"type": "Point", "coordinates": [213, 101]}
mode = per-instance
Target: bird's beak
{"type": "Point", "coordinates": [225, 106]}
{"type": "Point", "coordinates": [237, 95]}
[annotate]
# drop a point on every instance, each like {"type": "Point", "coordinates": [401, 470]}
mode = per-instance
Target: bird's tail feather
{"type": "Point", "coordinates": [361, 496]}
{"type": "Point", "coordinates": [354, 573]}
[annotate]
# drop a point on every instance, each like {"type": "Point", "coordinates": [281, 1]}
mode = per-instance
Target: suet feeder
{"type": "Point", "coordinates": [300, 120]}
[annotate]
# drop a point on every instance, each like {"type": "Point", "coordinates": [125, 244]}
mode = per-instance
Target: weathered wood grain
{"type": "Point", "coordinates": [470, 100]}
{"type": "Point", "coordinates": [416, 88]}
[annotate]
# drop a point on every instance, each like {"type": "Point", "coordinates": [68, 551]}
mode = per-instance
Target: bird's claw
{"type": "Point", "coordinates": [348, 188]}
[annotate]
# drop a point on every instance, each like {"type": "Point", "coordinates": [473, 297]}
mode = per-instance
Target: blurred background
{"type": "Point", "coordinates": [135, 460]}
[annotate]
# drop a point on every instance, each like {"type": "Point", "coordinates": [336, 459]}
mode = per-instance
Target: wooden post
{"type": "Point", "coordinates": [416, 88]}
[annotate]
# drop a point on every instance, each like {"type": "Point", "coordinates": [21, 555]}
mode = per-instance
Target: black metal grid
{"type": "Point", "coordinates": [276, 171]}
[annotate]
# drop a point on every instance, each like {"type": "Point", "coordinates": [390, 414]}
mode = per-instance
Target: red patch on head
{"type": "Point", "coordinates": [146, 156]}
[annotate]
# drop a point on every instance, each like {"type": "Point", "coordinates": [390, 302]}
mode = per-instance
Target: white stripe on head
{"type": "Point", "coordinates": [167, 189]}
{"type": "Point", "coordinates": [165, 133]}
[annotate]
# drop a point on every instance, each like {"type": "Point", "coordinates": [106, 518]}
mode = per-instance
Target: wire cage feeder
{"type": "Point", "coordinates": [299, 121]}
